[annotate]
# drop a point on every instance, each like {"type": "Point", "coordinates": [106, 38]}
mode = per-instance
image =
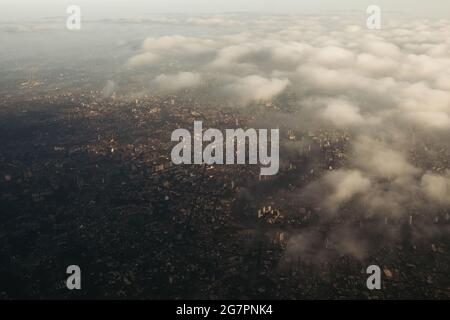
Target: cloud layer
{"type": "Point", "coordinates": [389, 89]}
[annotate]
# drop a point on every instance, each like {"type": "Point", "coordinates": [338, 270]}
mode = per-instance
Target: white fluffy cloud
{"type": "Point", "coordinates": [388, 88]}
{"type": "Point", "coordinates": [342, 114]}
{"type": "Point", "coordinates": [332, 56]}
{"type": "Point", "coordinates": [321, 55]}
{"type": "Point", "coordinates": [378, 85]}
{"type": "Point", "coordinates": [176, 82]}
{"type": "Point", "coordinates": [178, 45]}
{"type": "Point", "coordinates": [344, 185]}
{"type": "Point", "coordinates": [437, 187]}
{"type": "Point", "coordinates": [142, 59]}
{"type": "Point", "coordinates": [256, 88]}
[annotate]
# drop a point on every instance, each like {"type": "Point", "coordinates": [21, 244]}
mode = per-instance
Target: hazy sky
{"type": "Point", "coordinates": [10, 9]}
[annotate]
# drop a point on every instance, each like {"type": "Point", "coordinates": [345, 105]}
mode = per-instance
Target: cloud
{"type": "Point", "coordinates": [178, 45]}
{"type": "Point", "coordinates": [214, 21]}
{"type": "Point", "coordinates": [382, 160]}
{"type": "Point", "coordinates": [437, 188]}
{"type": "Point", "coordinates": [333, 57]}
{"type": "Point", "coordinates": [375, 65]}
{"type": "Point", "coordinates": [388, 91]}
{"type": "Point", "coordinates": [433, 120]}
{"type": "Point", "coordinates": [344, 185]}
{"type": "Point", "coordinates": [109, 88]}
{"type": "Point", "coordinates": [142, 59]}
{"type": "Point", "coordinates": [380, 48]}
{"type": "Point", "coordinates": [176, 82]}
{"type": "Point", "coordinates": [342, 114]}
{"type": "Point", "coordinates": [256, 88]}
{"type": "Point", "coordinates": [170, 48]}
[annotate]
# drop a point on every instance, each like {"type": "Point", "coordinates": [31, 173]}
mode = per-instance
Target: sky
{"type": "Point", "coordinates": [15, 9]}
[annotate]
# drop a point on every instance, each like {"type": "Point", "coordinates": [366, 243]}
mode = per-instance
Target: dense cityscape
{"type": "Point", "coordinates": [358, 206]}
{"type": "Point", "coordinates": [89, 180]}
